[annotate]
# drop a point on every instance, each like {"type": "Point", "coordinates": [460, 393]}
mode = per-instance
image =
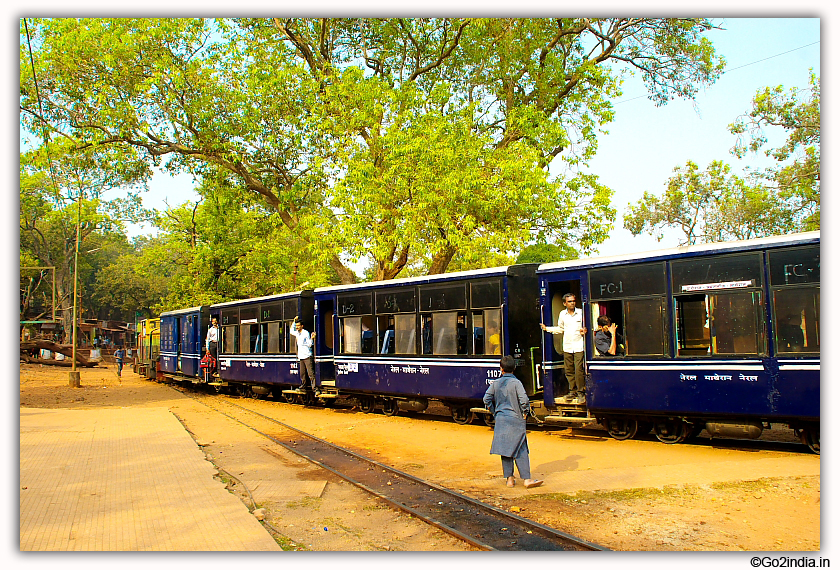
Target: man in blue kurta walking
{"type": "Point", "coordinates": [507, 401]}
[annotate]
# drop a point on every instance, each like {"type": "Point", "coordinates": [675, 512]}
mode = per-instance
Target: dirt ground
{"type": "Point", "coordinates": [632, 496]}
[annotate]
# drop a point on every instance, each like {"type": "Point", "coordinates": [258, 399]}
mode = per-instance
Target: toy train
{"type": "Point", "coordinates": [722, 337]}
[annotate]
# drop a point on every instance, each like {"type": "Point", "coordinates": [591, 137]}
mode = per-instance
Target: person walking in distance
{"type": "Point", "coordinates": [119, 356]}
{"type": "Point", "coordinates": [306, 359]}
{"type": "Point", "coordinates": [212, 342]}
{"type": "Point", "coordinates": [570, 325]}
{"type": "Point", "coordinates": [507, 401]}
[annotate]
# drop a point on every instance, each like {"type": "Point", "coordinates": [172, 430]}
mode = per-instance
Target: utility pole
{"type": "Point", "coordinates": [75, 376]}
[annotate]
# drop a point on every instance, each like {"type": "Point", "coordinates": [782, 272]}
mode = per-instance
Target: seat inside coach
{"type": "Point", "coordinates": [387, 342]}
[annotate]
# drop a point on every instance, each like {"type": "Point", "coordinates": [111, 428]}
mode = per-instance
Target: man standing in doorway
{"type": "Point", "coordinates": [570, 325]}
{"type": "Point", "coordinates": [306, 365]}
{"type": "Point", "coordinates": [212, 342]}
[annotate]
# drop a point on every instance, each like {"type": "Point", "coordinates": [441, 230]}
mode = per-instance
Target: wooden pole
{"type": "Point", "coordinates": [75, 376]}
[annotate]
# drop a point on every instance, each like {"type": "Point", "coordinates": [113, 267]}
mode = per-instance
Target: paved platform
{"type": "Point", "coordinates": [124, 480]}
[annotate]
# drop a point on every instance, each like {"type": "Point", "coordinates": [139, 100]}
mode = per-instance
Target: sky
{"type": "Point", "coordinates": [645, 143]}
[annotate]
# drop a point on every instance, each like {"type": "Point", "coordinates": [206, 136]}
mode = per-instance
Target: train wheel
{"type": "Point", "coordinates": [489, 419]}
{"type": "Point", "coordinates": [242, 390]}
{"type": "Point", "coordinates": [254, 395]}
{"type": "Point", "coordinates": [622, 429]}
{"type": "Point", "coordinates": [671, 431]}
{"type": "Point", "coordinates": [811, 438]}
{"type": "Point", "coordinates": [367, 404]}
{"type": "Point", "coordinates": [390, 407]}
{"type": "Point", "coordinates": [462, 415]}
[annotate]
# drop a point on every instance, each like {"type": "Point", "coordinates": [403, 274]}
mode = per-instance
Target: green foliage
{"type": "Point", "coordinates": [50, 210]}
{"type": "Point", "coordinates": [715, 205]}
{"type": "Point", "coordinates": [797, 176]}
{"type": "Point", "coordinates": [546, 253]}
{"type": "Point", "coordinates": [407, 141]}
{"type": "Point", "coordinates": [710, 206]}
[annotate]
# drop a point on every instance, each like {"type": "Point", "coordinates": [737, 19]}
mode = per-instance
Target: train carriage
{"type": "Point", "coordinates": [148, 347]}
{"type": "Point", "coordinates": [717, 336]}
{"type": "Point", "coordinates": [406, 341]}
{"type": "Point", "coordinates": [256, 351]}
{"type": "Point", "coordinates": [182, 335]}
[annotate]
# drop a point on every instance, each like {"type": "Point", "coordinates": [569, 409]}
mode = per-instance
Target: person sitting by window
{"type": "Point", "coordinates": [607, 341]}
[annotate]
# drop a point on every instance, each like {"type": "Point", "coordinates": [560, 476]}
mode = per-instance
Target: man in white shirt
{"type": "Point", "coordinates": [570, 325]}
{"type": "Point", "coordinates": [306, 368]}
{"type": "Point", "coordinates": [212, 342]}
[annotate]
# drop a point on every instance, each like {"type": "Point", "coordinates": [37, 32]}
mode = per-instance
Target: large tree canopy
{"type": "Point", "coordinates": [716, 205]}
{"type": "Point", "coordinates": [392, 139]}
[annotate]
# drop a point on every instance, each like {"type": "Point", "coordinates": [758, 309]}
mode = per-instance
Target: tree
{"type": "Point", "coordinates": [546, 253]}
{"type": "Point", "coordinates": [709, 206]}
{"type": "Point", "coordinates": [50, 209]}
{"type": "Point", "coordinates": [715, 205]}
{"type": "Point", "coordinates": [797, 176]}
{"type": "Point", "coordinates": [391, 138]}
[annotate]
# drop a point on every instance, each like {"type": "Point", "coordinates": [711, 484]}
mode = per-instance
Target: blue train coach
{"type": "Point", "coordinates": [723, 337]}
{"type": "Point", "coordinates": [182, 334]}
{"type": "Point", "coordinates": [257, 354]}
{"type": "Point", "coordinates": [404, 342]}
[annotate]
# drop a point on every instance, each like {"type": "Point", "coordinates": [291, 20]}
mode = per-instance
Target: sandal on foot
{"type": "Point", "coordinates": [531, 483]}
{"type": "Point", "coordinates": [511, 482]}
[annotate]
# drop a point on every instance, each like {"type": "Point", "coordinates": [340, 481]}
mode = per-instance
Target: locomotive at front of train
{"type": "Point", "coordinates": [148, 347]}
{"type": "Point", "coordinates": [182, 335]}
{"type": "Point", "coordinates": [257, 355]}
{"type": "Point", "coordinates": [404, 342]}
{"type": "Point", "coordinates": [700, 338]}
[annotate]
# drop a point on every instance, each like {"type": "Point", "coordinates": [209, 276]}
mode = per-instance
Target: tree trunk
{"type": "Point", "coordinates": [344, 273]}
{"type": "Point", "coordinates": [388, 268]}
{"type": "Point", "coordinates": [441, 259]}
{"type": "Point", "coordinates": [49, 345]}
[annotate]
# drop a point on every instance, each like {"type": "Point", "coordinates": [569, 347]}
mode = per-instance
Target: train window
{"type": "Point", "coordinates": [485, 294]}
{"type": "Point", "coordinates": [644, 326]}
{"type": "Point", "coordinates": [290, 309]}
{"type": "Point", "coordinates": [445, 333]}
{"type": "Point", "coordinates": [797, 314]}
{"type": "Point", "coordinates": [358, 335]}
{"type": "Point", "coordinates": [351, 305]}
{"type": "Point", "coordinates": [405, 330]}
{"type": "Point", "coordinates": [230, 317]}
{"type": "Point", "coordinates": [448, 298]}
{"type": "Point", "coordinates": [444, 336]}
{"type": "Point", "coordinates": [478, 332]}
{"type": "Point", "coordinates": [795, 266]}
{"type": "Point", "coordinates": [272, 312]}
{"type": "Point", "coordinates": [627, 281]}
{"type": "Point", "coordinates": [385, 339]}
{"type": "Point", "coordinates": [230, 338]}
{"type": "Point", "coordinates": [248, 314]}
{"type": "Point", "coordinates": [492, 319]}
{"type": "Point", "coordinates": [396, 301]}
{"type": "Point", "coordinates": [247, 338]}
{"type": "Point", "coordinates": [639, 324]}
{"type": "Point", "coordinates": [735, 271]}
{"type": "Point", "coordinates": [272, 334]}
{"type": "Point", "coordinates": [720, 323]}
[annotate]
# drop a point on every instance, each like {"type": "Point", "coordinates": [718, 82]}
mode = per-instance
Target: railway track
{"type": "Point", "coordinates": [468, 519]}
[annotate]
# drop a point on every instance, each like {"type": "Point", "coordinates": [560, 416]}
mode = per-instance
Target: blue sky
{"type": "Point", "coordinates": [645, 143]}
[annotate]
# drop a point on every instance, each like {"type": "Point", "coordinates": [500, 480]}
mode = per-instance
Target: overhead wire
{"type": "Point", "coordinates": [735, 68]}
